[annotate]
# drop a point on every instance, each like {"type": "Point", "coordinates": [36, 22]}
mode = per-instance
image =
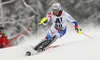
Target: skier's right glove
{"type": "Point", "coordinates": [78, 30]}
{"type": "Point", "coordinates": [44, 20]}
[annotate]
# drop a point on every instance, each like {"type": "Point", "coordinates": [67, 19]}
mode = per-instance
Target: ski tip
{"type": "Point", "coordinates": [28, 53]}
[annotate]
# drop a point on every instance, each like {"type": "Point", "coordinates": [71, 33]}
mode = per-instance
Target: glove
{"type": "Point", "coordinates": [43, 20]}
{"type": "Point", "coordinates": [78, 30]}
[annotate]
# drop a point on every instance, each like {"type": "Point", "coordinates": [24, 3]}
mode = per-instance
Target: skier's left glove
{"type": "Point", "coordinates": [78, 30]}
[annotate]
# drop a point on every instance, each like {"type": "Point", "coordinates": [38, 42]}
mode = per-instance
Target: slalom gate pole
{"type": "Point", "coordinates": [23, 33]}
{"type": "Point", "coordinates": [44, 19]}
{"type": "Point", "coordinates": [87, 35]}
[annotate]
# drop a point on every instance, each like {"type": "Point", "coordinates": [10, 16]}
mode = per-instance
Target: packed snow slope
{"type": "Point", "coordinates": [73, 47]}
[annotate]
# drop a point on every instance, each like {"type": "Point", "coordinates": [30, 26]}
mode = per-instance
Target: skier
{"type": "Point", "coordinates": [59, 19]}
{"type": "Point", "coordinates": [3, 38]}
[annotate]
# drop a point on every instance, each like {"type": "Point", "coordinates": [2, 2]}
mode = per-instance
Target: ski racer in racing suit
{"type": "Point", "coordinates": [59, 19]}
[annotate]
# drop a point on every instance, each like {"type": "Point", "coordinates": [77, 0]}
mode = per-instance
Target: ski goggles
{"type": "Point", "coordinates": [55, 10]}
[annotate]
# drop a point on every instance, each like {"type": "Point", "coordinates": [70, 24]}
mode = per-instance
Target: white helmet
{"type": "Point", "coordinates": [56, 6]}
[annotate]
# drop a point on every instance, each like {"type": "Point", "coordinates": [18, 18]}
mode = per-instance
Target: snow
{"type": "Point", "coordinates": [73, 47]}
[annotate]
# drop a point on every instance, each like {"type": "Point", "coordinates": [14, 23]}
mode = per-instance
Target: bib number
{"type": "Point", "coordinates": [58, 23]}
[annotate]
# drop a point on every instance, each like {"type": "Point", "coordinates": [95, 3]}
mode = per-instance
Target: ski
{"type": "Point", "coordinates": [33, 52]}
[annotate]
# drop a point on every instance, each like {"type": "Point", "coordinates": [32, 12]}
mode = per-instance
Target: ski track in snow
{"type": "Point", "coordinates": [73, 47]}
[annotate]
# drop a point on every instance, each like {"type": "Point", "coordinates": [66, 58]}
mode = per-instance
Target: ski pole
{"type": "Point", "coordinates": [80, 32]}
{"type": "Point", "coordinates": [87, 35]}
{"type": "Point", "coordinates": [44, 19]}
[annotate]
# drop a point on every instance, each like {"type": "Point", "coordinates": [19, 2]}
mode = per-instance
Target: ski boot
{"type": "Point", "coordinates": [44, 44]}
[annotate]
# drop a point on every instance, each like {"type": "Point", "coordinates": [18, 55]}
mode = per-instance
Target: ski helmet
{"type": "Point", "coordinates": [1, 28]}
{"type": "Point", "coordinates": [56, 6]}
